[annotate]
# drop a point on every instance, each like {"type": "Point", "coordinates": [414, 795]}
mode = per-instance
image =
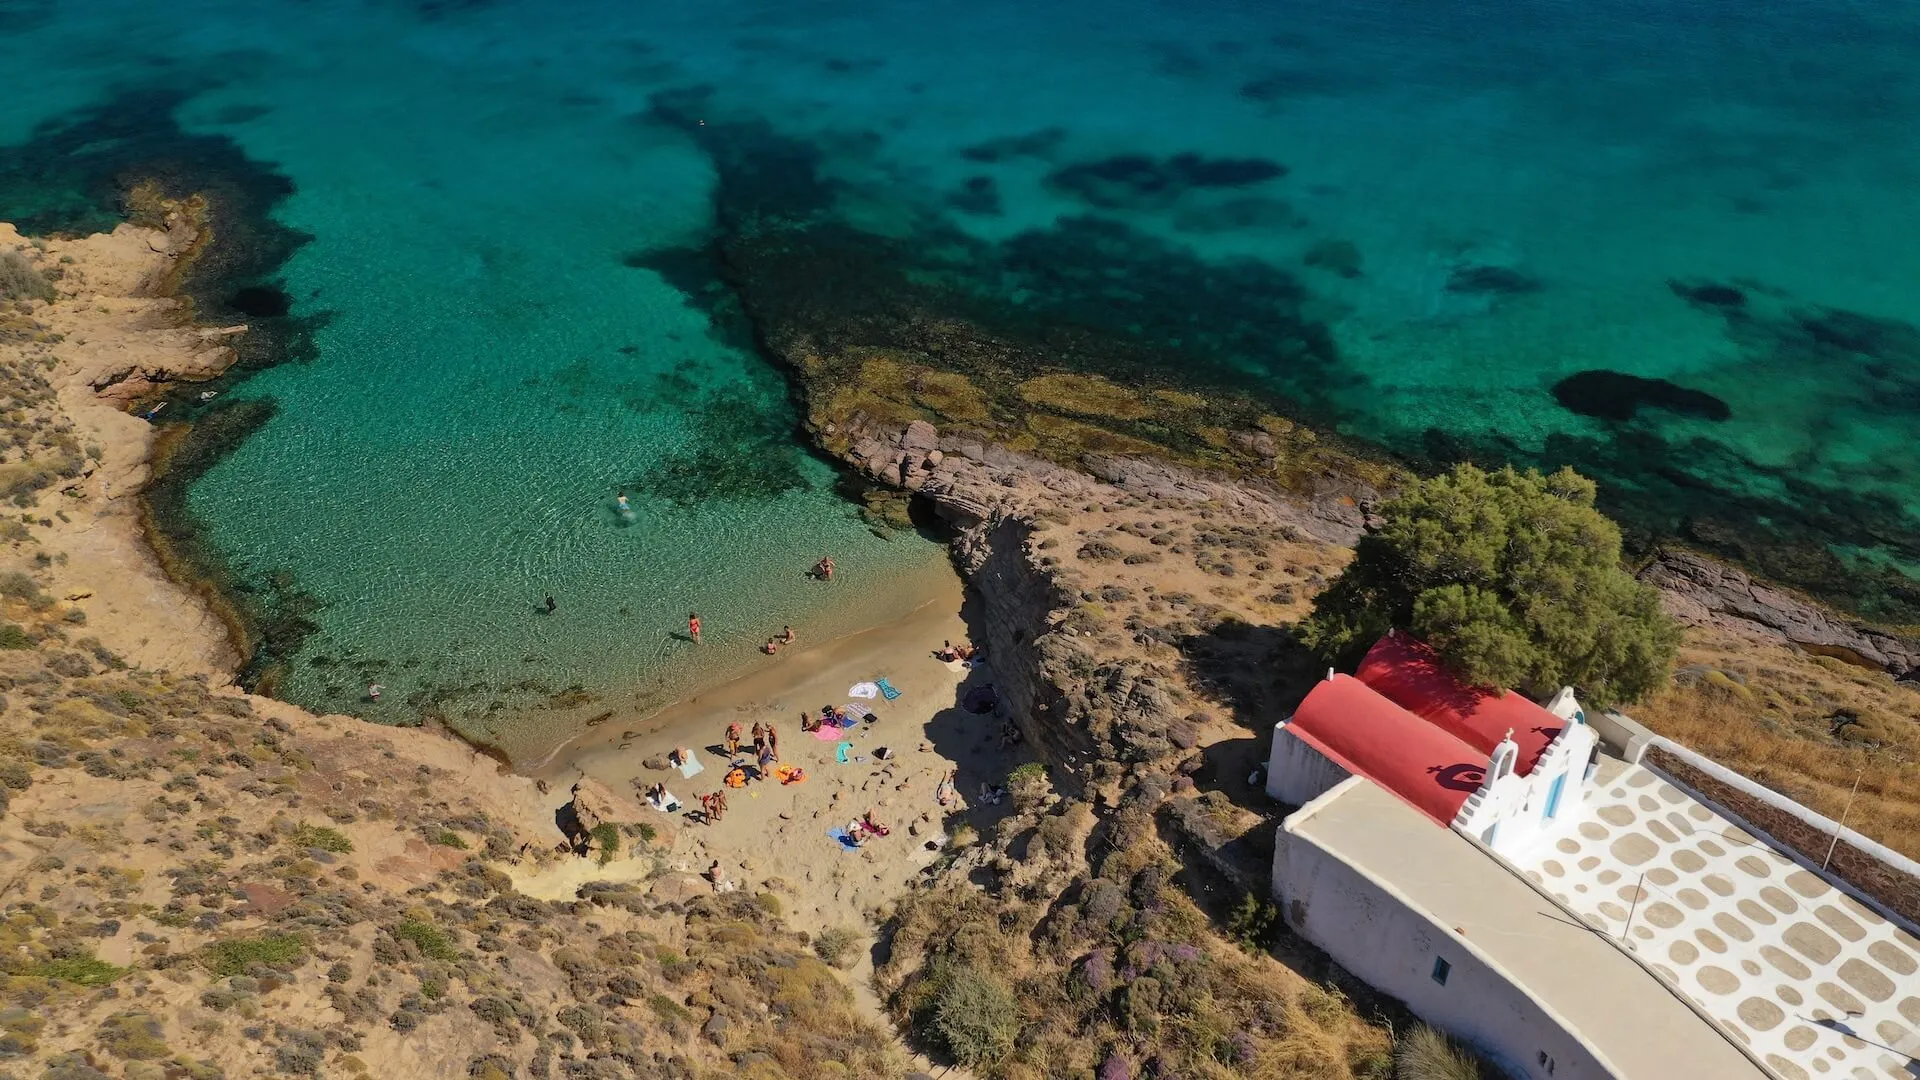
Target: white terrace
{"type": "Point", "coordinates": [1815, 983]}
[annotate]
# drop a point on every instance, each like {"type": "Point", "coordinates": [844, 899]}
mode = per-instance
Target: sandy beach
{"type": "Point", "coordinates": [774, 837]}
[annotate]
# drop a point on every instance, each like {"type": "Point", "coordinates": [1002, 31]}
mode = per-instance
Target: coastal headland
{"type": "Point", "coordinates": [1129, 556]}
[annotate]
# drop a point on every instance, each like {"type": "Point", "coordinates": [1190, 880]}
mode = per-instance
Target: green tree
{"type": "Point", "coordinates": [1513, 577]}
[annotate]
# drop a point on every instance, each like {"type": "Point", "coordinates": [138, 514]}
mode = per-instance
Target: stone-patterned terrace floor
{"type": "Point", "coordinates": [1783, 959]}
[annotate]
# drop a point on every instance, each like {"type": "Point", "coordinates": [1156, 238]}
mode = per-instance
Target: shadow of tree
{"type": "Point", "coordinates": [1259, 672]}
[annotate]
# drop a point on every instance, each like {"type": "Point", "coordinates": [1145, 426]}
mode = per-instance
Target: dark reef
{"type": "Point", "coordinates": [261, 301]}
{"type": "Point", "coordinates": [1709, 296]}
{"type": "Point", "coordinates": [1037, 144]}
{"type": "Point", "coordinates": [1090, 294]}
{"type": "Point", "coordinates": [1616, 395]}
{"type": "Point", "coordinates": [979, 196]}
{"type": "Point", "coordinates": [1139, 182]}
{"type": "Point", "coordinates": [1493, 280]}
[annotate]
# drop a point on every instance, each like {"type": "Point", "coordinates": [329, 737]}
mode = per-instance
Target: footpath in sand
{"type": "Point", "coordinates": [774, 837]}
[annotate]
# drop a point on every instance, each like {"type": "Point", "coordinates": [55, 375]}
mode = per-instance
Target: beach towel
{"type": "Point", "coordinates": [956, 665]}
{"type": "Point", "coordinates": [863, 690]}
{"type": "Point", "coordinates": [789, 774]}
{"type": "Point", "coordinates": [845, 841]}
{"type": "Point", "coordinates": [854, 715]}
{"type": "Point", "coordinates": [666, 804]}
{"type": "Point", "coordinates": [841, 754]}
{"type": "Point", "coordinates": [691, 767]}
{"type": "Point", "coordinates": [886, 689]}
{"type": "Point", "coordinates": [826, 733]}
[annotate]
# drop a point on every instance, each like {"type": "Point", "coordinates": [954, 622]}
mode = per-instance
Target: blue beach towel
{"type": "Point", "coordinates": [840, 755]}
{"type": "Point", "coordinates": [886, 689]}
{"type": "Point", "coordinates": [846, 842]}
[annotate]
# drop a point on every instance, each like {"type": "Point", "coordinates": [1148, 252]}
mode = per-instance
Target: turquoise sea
{"type": "Point", "coordinates": [1674, 245]}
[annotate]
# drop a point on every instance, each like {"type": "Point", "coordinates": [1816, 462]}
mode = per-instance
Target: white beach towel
{"type": "Point", "coordinates": [865, 690]}
{"type": "Point", "coordinates": [691, 767]}
{"type": "Point", "coordinates": [667, 803]}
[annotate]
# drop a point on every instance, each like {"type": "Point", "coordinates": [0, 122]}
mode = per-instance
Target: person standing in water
{"type": "Point", "coordinates": [620, 500]}
{"type": "Point", "coordinates": [551, 606]}
{"type": "Point", "coordinates": [373, 692]}
{"type": "Point", "coordinates": [693, 626]}
{"type": "Point", "coordinates": [787, 638]}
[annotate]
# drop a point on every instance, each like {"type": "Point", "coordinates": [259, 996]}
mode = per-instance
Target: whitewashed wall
{"type": "Point", "coordinates": [1375, 934]}
{"type": "Point", "coordinates": [1297, 774]}
{"type": "Point", "coordinates": [1517, 804]}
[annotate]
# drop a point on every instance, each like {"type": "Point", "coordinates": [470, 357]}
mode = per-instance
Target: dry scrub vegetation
{"type": "Point", "coordinates": [196, 889]}
{"type": "Point", "coordinates": [1117, 974]}
{"type": "Point", "coordinates": [1804, 725]}
{"type": "Point", "coordinates": [1085, 955]}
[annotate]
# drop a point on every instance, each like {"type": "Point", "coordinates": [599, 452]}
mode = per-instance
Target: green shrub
{"type": "Point", "coordinates": [976, 1017]}
{"type": "Point", "coordinates": [12, 637]}
{"type": "Point", "coordinates": [1028, 784]}
{"type": "Point", "coordinates": [1253, 925]}
{"type": "Point", "coordinates": [134, 1036]}
{"type": "Point", "coordinates": [835, 945]}
{"type": "Point", "coordinates": [431, 940]}
{"type": "Point", "coordinates": [86, 969]}
{"type": "Point", "coordinates": [19, 585]}
{"type": "Point", "coordinates": [1514, 578]}
{"type": "Point", "coordinates": [607, 835]}
{"type": "Point", "coordinates": [769, 903]}
{"type": "Point", "coordinates": [447, 838]}
{"type": "Point", "coordinates": [1425, 1054]}
{"type": "Point", "coordinates": [322, 837]}
{"type": "Point", "coordinates": [235, 955]}
{"type": "Point", "coordinates": [667, 1008]}
{"type": "Point", "coordinates": [20, 279]}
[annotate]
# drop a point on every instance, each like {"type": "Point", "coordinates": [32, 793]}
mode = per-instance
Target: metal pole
{"type": "Point", "coordinates": [1638, 891]}
{"type": "Point", "coordinates": [1844, 811]}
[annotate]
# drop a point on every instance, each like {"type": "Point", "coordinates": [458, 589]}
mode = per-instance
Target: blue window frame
{"type": "Point", "coordinates": [1441, 969]}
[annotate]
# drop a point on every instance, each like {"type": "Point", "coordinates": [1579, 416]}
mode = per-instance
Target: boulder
{"type": "Point", "coordinates": [919, 438]}
{"type": "Point", "coordinates": [594, 804]}
{"type": "Point", "coordinates": [678, 887]}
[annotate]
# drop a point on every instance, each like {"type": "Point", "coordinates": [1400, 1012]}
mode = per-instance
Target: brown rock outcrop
{"type": "Point", "coordinates": [1698, 591]}
{"type": "Point", "coordinates": [594, 804]}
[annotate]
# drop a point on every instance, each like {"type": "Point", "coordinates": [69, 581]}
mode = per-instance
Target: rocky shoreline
{"type": "Point", "coordinates": [991, 494]}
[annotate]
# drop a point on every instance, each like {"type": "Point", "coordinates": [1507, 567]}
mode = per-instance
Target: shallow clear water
{"type": "Point", "coordinates": [1478, 201]}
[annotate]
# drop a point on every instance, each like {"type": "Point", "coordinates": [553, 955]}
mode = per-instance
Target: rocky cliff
{"type": "Point", "coordinates": [1699, 591]}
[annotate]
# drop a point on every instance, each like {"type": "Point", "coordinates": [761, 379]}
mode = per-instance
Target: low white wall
{"type": "Point", "coordinates": [1621, 734]}
{"type": "Point", "coordinates": [1378, 937]}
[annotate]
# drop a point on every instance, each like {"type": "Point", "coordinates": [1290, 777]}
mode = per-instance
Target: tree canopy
{"type": "Point", "coordinates": [1514, 578]}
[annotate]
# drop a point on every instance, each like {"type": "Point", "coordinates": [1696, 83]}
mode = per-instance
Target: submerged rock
{"type": "Point", "coordinates": [1616, 395]}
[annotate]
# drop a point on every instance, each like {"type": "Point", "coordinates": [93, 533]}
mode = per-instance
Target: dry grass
{"type": "Point", "coordinates": [1425, 1054]}
{"type": "Point", "coordinates": [20, 279]}
{"type": "Point", "coordinates": [1771, 713]}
